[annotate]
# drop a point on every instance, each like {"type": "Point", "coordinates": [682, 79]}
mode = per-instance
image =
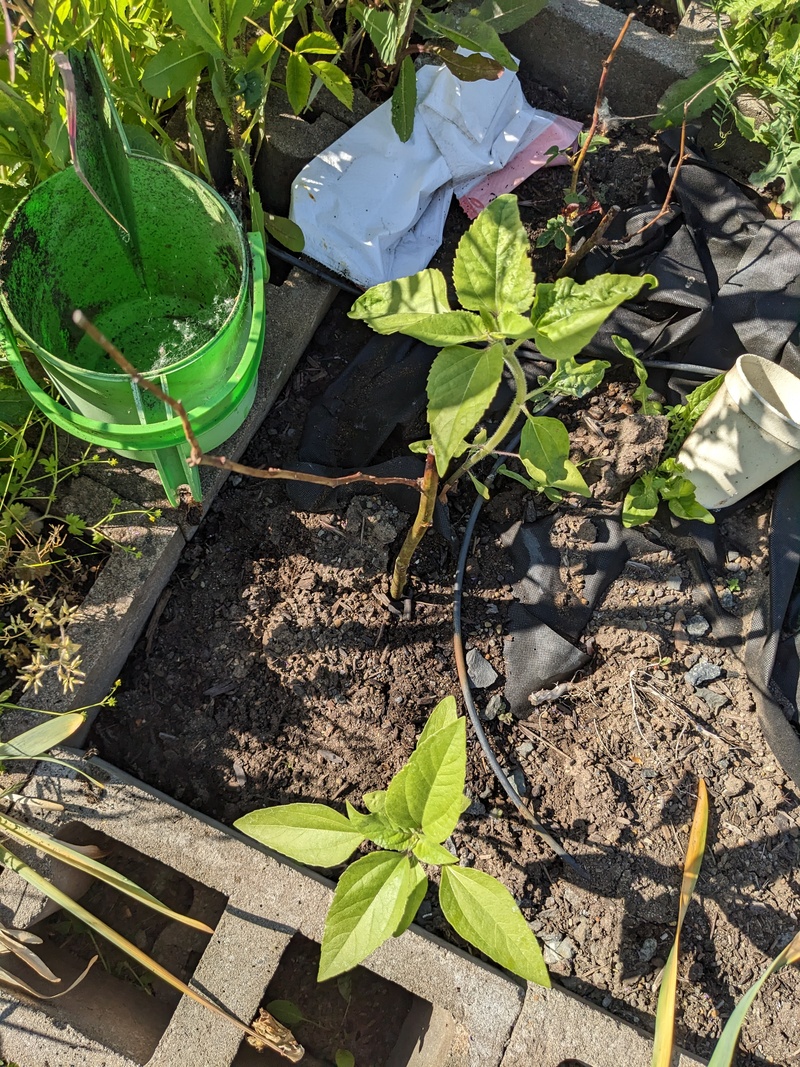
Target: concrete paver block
{"type": "Point", "coordinates": [471, 1007]}
{"type": "Point", "coordinates": [565, 45]}
{"type": "Point", "coordinates": [557, 1026]}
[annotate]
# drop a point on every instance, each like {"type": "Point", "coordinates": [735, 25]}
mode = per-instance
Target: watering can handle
{"type": "Point", "coordinates": [132, 435]}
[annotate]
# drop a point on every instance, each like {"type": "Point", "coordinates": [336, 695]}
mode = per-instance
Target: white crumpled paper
{"type": "Point", "coordinates": [372, 208]}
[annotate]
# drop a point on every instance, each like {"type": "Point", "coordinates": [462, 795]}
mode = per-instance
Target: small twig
{"type": "Point", "coordinates": [198, 458]}
{"type": "Point", "coordinates": [664, 209]}
{"type": "Point", "coordinates": [574, 258]}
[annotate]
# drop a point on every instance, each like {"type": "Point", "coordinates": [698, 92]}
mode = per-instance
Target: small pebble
{"type": "Point", "coordinates": [697, 626]}
{"type": "Point", "coordinates": [586, 532]}
{"type": "Point", "coordinates": [648, 949]}
{"type": "Point", "coordinates": [674, 583]}
{"type": "Point", "coordinates": [481, 673]}
{"type": "Point", "coordinates": [495, 705]}
{"type": "Point", "coordinates": [734, 787]}
{"type": "Point", "coordinates": [702, 673]}
{"type": "Point", "coordinates": [524, 749]}
{"type": "Point", "coordinates": [713, 701]}
{"type": "Point", "coordinates": [726, 599]}
{"type": "Point", "coordinates": [519, 783]}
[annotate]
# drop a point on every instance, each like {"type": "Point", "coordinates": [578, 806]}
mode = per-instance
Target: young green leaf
{"type": "Point", "coordinates": [321, 44]}
{"type": "Point", "coordinates": [283, 230]}
{"type": "Point", "coordinates": [308, 833]}
{"type": "Point", "coordinates": [367, 906]}
{"type": "Point", "coordinates": [642, 393]}
{"type": "Point", "coordinates": [385, 27]}
{"type": "Point", "coordinates": [335, 81]}
{"type": "Point", "coordinates": [444, 714]}
{"type": "Point", "coordinates": [667, 994]}
{"type": "Point", "coordinates": [483, 911]}
{"type": "Point", "coordinates": [566, 315]}
{"type": "Point", "coordinates": [571, 378]}
{"type": "Point", "coordinates": [461, 385]}
{"type": "Point", "coordinates": [286, 1012]}
{"type": "Point", "coordinates": [492, 269]}
{"type": "Point", "coordinates": [261, 51]}
{"type": "Point", "coordinates": [544, 448]}
{"type": "Point", "coordinates": [404, 100]}
{"type": "Point", "coordinates": [377, 828]}
{"type": "Point", "coordinates": [470, 33]}
{"type": "Point", "coordinates": [298, 81]}
{"type": "Point", "coordinates": [725, 1049]}
{"type": "Point", "coordinates": [507, 15]}
{"type": "Point", "coordinates": [426, 794]}
{"type": "Point", "coordinates": [699, 91]}
{"type": "Point", "coordinates": [641, 501]}
{"type": "Point", "coordinates": [399, 305]}
{"type": "Point", "coordinates": [40, 738]}
{"type": "Point", "coordinates": [432, 854]}
{"type": "Point", "coordinates": [419, 887]}
{"type": "Point", "coordinates": [375, 801]}
{"type": "Point", "coordinates": [172, 70]}
{"type": "Point", "coordinates": [195, 18]}
{"type": "Point", "coordinates": [237, 10]}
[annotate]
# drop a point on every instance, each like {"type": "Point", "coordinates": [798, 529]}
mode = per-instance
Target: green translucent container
{"type": "Point", "coordinates": [187, 311]}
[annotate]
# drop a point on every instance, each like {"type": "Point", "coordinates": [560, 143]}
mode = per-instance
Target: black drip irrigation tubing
{"type": "Point", "coordinates": [458, 641]}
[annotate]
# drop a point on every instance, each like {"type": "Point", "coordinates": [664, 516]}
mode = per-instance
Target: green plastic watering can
{"type": "Point", "coordinates": [162, 269]}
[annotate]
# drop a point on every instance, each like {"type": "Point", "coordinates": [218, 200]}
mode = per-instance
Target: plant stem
{"type": "Point", "coordinates": [422, 523]}
{"type": "Point", "coordinates": [581, 156]}
{"type": "Point", "coordinates": [198, 458]}
{"type": "Point", "coordinates": [506, 424]}
{"type": "Point", "coordinates": [574, 258]}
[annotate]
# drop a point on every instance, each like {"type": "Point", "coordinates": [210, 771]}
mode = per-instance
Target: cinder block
{"type": "Point", "coordinates": [465, 1010]}
{"type": "Point", "coordinates": [565, 45]}
{"type": "Point", "coordinates": [557, 1027]}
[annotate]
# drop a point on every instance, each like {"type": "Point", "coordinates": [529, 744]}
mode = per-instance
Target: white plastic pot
{"type": "Point", "coordinates": [748, 433]}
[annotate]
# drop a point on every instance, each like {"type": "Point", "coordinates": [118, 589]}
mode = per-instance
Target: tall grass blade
{"type": "Point", "coordinates": [726, 1046]}
{"type": "Point", "coordinates": [665, 1014]}
{"type": "Point", "coordinates": [292, 1051]}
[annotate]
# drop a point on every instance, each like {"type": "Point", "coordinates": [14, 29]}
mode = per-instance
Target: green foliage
{"type": "Point", "coordinates": [755, 58]}
{"type": "Point", "coordinates": [33, 135]}
{"type": "Point", "coordinates": [642, 392]}
{"type": "Point", "coordinates": [668, 481]}
{"type": "Point", "coordinates": [34, 637]}
{"type": "Point", "coordinates": [379, 895]}
{"type": "Point", "coordinates": [502, 305]}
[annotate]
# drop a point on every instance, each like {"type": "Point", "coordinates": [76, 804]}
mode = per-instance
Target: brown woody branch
{"type": "Point", "coordinates": [198, 458]}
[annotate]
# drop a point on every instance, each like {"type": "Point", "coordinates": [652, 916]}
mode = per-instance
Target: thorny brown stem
{"type": "Point", "coordinates": [598, 103]}
{"type": "Point", "coordinates": [422, 523]}
{"type": "Point", "coordinates": [197, 457]}
{"type": "Point", "coordinates": [574, 258]}
{"type": "Point", "coordinates": [579, 160]}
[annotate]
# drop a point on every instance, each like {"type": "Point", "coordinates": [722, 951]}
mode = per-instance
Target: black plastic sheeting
{"type": "Point", "coordinates": [729, 283]}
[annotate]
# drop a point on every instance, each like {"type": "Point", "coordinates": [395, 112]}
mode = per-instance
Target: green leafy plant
{"type": "Point", "coordinates": [751, 79]}
{"type": "Point", "coordinates": [34, 637]}
{"type": "Point", "coordinates": [33, 132]}
{"type": "Point", "coordinates": [213, 42]}
{"type": "Point", "coordinates": [501, 306]}
{"type": "Point", "coordinates": [378, 895]}
{"type": "Point", "coordinates": [725, 1048]}
{"type": "Point", "coordinates": [36, 743]}
{"type": "Point", "coordinates": [668, 481]}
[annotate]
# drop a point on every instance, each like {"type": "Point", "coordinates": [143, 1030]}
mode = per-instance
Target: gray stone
{"type": "Point", "coordinates": [702, 673]}
{"type": "Point", "coordinates": [481, 673]}
{"type": "Point", "coordinates": [697, 626]}
{"type": "Point", "coordinates": [648, 949]}
{"type": "Point", "coordinates": [495, 706]}
{"type": "Point", "coordinates": [713, 701]}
